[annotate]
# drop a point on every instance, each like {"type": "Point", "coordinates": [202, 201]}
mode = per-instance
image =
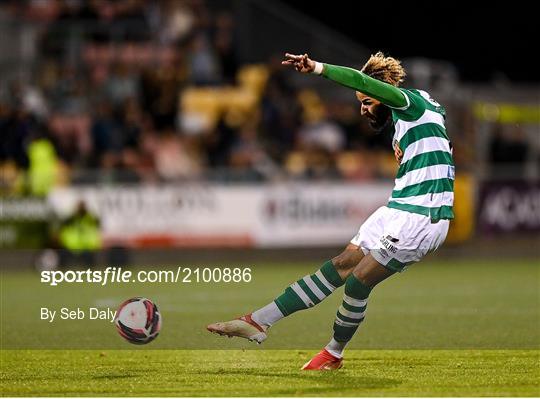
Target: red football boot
{"type": "Point", "coordinates": [324, 361]}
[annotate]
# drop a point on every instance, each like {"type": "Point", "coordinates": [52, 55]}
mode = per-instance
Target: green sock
{"type": "Point", "coordinates": [309, 290]}
{"type": "Point", "coordinates": [352, 310]}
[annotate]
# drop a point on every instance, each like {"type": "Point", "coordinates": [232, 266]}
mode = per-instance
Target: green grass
{"type": "Point", "coordinates": [440, 329]}
{"type": "Point", "coordinates": [269, 373]}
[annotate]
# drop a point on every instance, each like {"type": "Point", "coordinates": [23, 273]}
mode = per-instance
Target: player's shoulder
{"type": "Point", "coordinates": [424, 96]}
{"type": "Point", "coordinates": [418, 101]}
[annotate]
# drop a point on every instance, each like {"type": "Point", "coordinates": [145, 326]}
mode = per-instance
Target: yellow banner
{"type": "Point", "coordinates": [508, 113]}
{"type": "Point", "coordinates": [462, 227]}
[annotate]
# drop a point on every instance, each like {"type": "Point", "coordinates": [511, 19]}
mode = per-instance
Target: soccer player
{"type": "Point", "coordinates": [413, 223]}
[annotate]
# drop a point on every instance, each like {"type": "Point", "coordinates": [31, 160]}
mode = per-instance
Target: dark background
{"type": "Point", "coordinates": [485, 40]}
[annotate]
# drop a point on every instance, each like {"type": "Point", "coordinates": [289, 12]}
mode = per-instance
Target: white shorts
{"type": "Point", "coordinates": [397, 238]}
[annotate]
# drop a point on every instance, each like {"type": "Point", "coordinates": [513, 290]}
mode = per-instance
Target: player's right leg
{"type": "Point", "coordinates": [394, 239]}
{"type": "Point", "coordinates": [306, 292]}
{"type": "Point", "coordinates": [350, 314]}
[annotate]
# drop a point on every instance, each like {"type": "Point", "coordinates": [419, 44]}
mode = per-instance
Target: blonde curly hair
{"type": "Point", "coordinates": [386, 69]}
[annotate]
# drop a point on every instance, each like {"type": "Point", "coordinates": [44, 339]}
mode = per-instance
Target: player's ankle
{"type": "Point", "coordinates": [336, 354]}
{"type": "Point", "coordinates": [267, 315]}
{"type": "Point", "coordinates": [260, 323]}
{"type": "Point", "coordinates": [336, 348]}
{"type": "Point", "coordinates": [248, 318]}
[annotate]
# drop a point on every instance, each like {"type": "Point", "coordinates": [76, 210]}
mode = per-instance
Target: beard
{"type": "Point", "coordinates": [380, 119]}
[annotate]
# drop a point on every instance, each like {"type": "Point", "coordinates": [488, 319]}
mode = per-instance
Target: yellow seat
{"type": "Point", "coordinates": [209, 103]}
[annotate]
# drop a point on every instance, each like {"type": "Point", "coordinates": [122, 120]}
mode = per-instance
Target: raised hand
{"type": "Point", "coordinates": [302, 63]}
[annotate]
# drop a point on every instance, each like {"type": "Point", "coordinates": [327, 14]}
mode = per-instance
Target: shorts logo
{"type": "Point", "coordinates": [390, 238]}
{"type": "Point", "coordinates": [387, 243]}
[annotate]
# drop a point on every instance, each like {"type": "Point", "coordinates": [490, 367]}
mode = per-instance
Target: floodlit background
{"type": "Point", "coordinates": [176, 124]}
{"type": "Point", "coordinates": [149, 134]}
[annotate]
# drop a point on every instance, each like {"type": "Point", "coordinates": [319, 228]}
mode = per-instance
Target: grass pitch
{"type": "Point", "coordinates": [269, 373]}
{"type": "Point", "coordinates": [440, 329]}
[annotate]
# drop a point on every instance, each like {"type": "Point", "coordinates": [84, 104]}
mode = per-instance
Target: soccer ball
{"type": "Point", "coordinates": [138, 320]}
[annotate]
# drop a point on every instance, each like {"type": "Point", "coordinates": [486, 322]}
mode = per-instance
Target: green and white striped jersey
{"type": "Point", "coordinates": [425, 179]}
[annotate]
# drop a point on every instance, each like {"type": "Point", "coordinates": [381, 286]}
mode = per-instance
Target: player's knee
{"type": "Point", "coordinates": [338, 263]}
{"type": "Point", "coordinates": [365, 277]}
{"type": "Point", "coordinates": [346, 260]}
{"type": "Point", "coordinates": [362, 276]}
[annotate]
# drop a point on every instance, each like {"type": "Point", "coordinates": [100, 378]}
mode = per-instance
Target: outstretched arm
{"type": "Point", "coordinates": [384, 92]}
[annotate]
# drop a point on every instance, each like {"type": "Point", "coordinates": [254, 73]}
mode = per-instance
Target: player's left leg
{"type": "Point", "coordinates": [309, 290]}
{"type": "Point", "coordinates": [312, 289]}
{"type": "Point", "coordinates": [365, 276]}
{"type": "Point", "coordinates": [304, 293]}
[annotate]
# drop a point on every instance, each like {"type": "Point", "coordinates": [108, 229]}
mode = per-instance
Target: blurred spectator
{"type": "Point", "coordinates": [160, 90]}
{"type": "Point", "coordinates": [79, 238]}
{"type": "Point", "coordinates": [31, 100]}
{"type": "Point", "coordinates": [15, 125]}
{"type": "Point", "coordinates": [71, 134]}
{"type": "Point", "coordinates": [177, 21]}
{"type": "Point", "coordinates": [121, 85]}
{"type": "Point", "coordinates": [68, 94]}
{"type": "Point", "coordinates": [225, 50]}
{"type": "Point", "coordinates": [219, 143]}
{"type": "Point", "coordinates": [204, 68]}
{"type": "Point", "coordinates": [177, 158]}
{"type": "Point", "coordinates": [43, 168]}
{"type": "Point", "coordinates": [322, 134]}
{"type": "Point", "coordinates": [280, 111]}
{"type": "Point", "coordinates": [105, 133]}
{"type": "Point", "coordinates": [132, 122]}
{"type": "Point", "coordinates": [248, 156]}
{"type": "Point", "coordinates": [111, 79]}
